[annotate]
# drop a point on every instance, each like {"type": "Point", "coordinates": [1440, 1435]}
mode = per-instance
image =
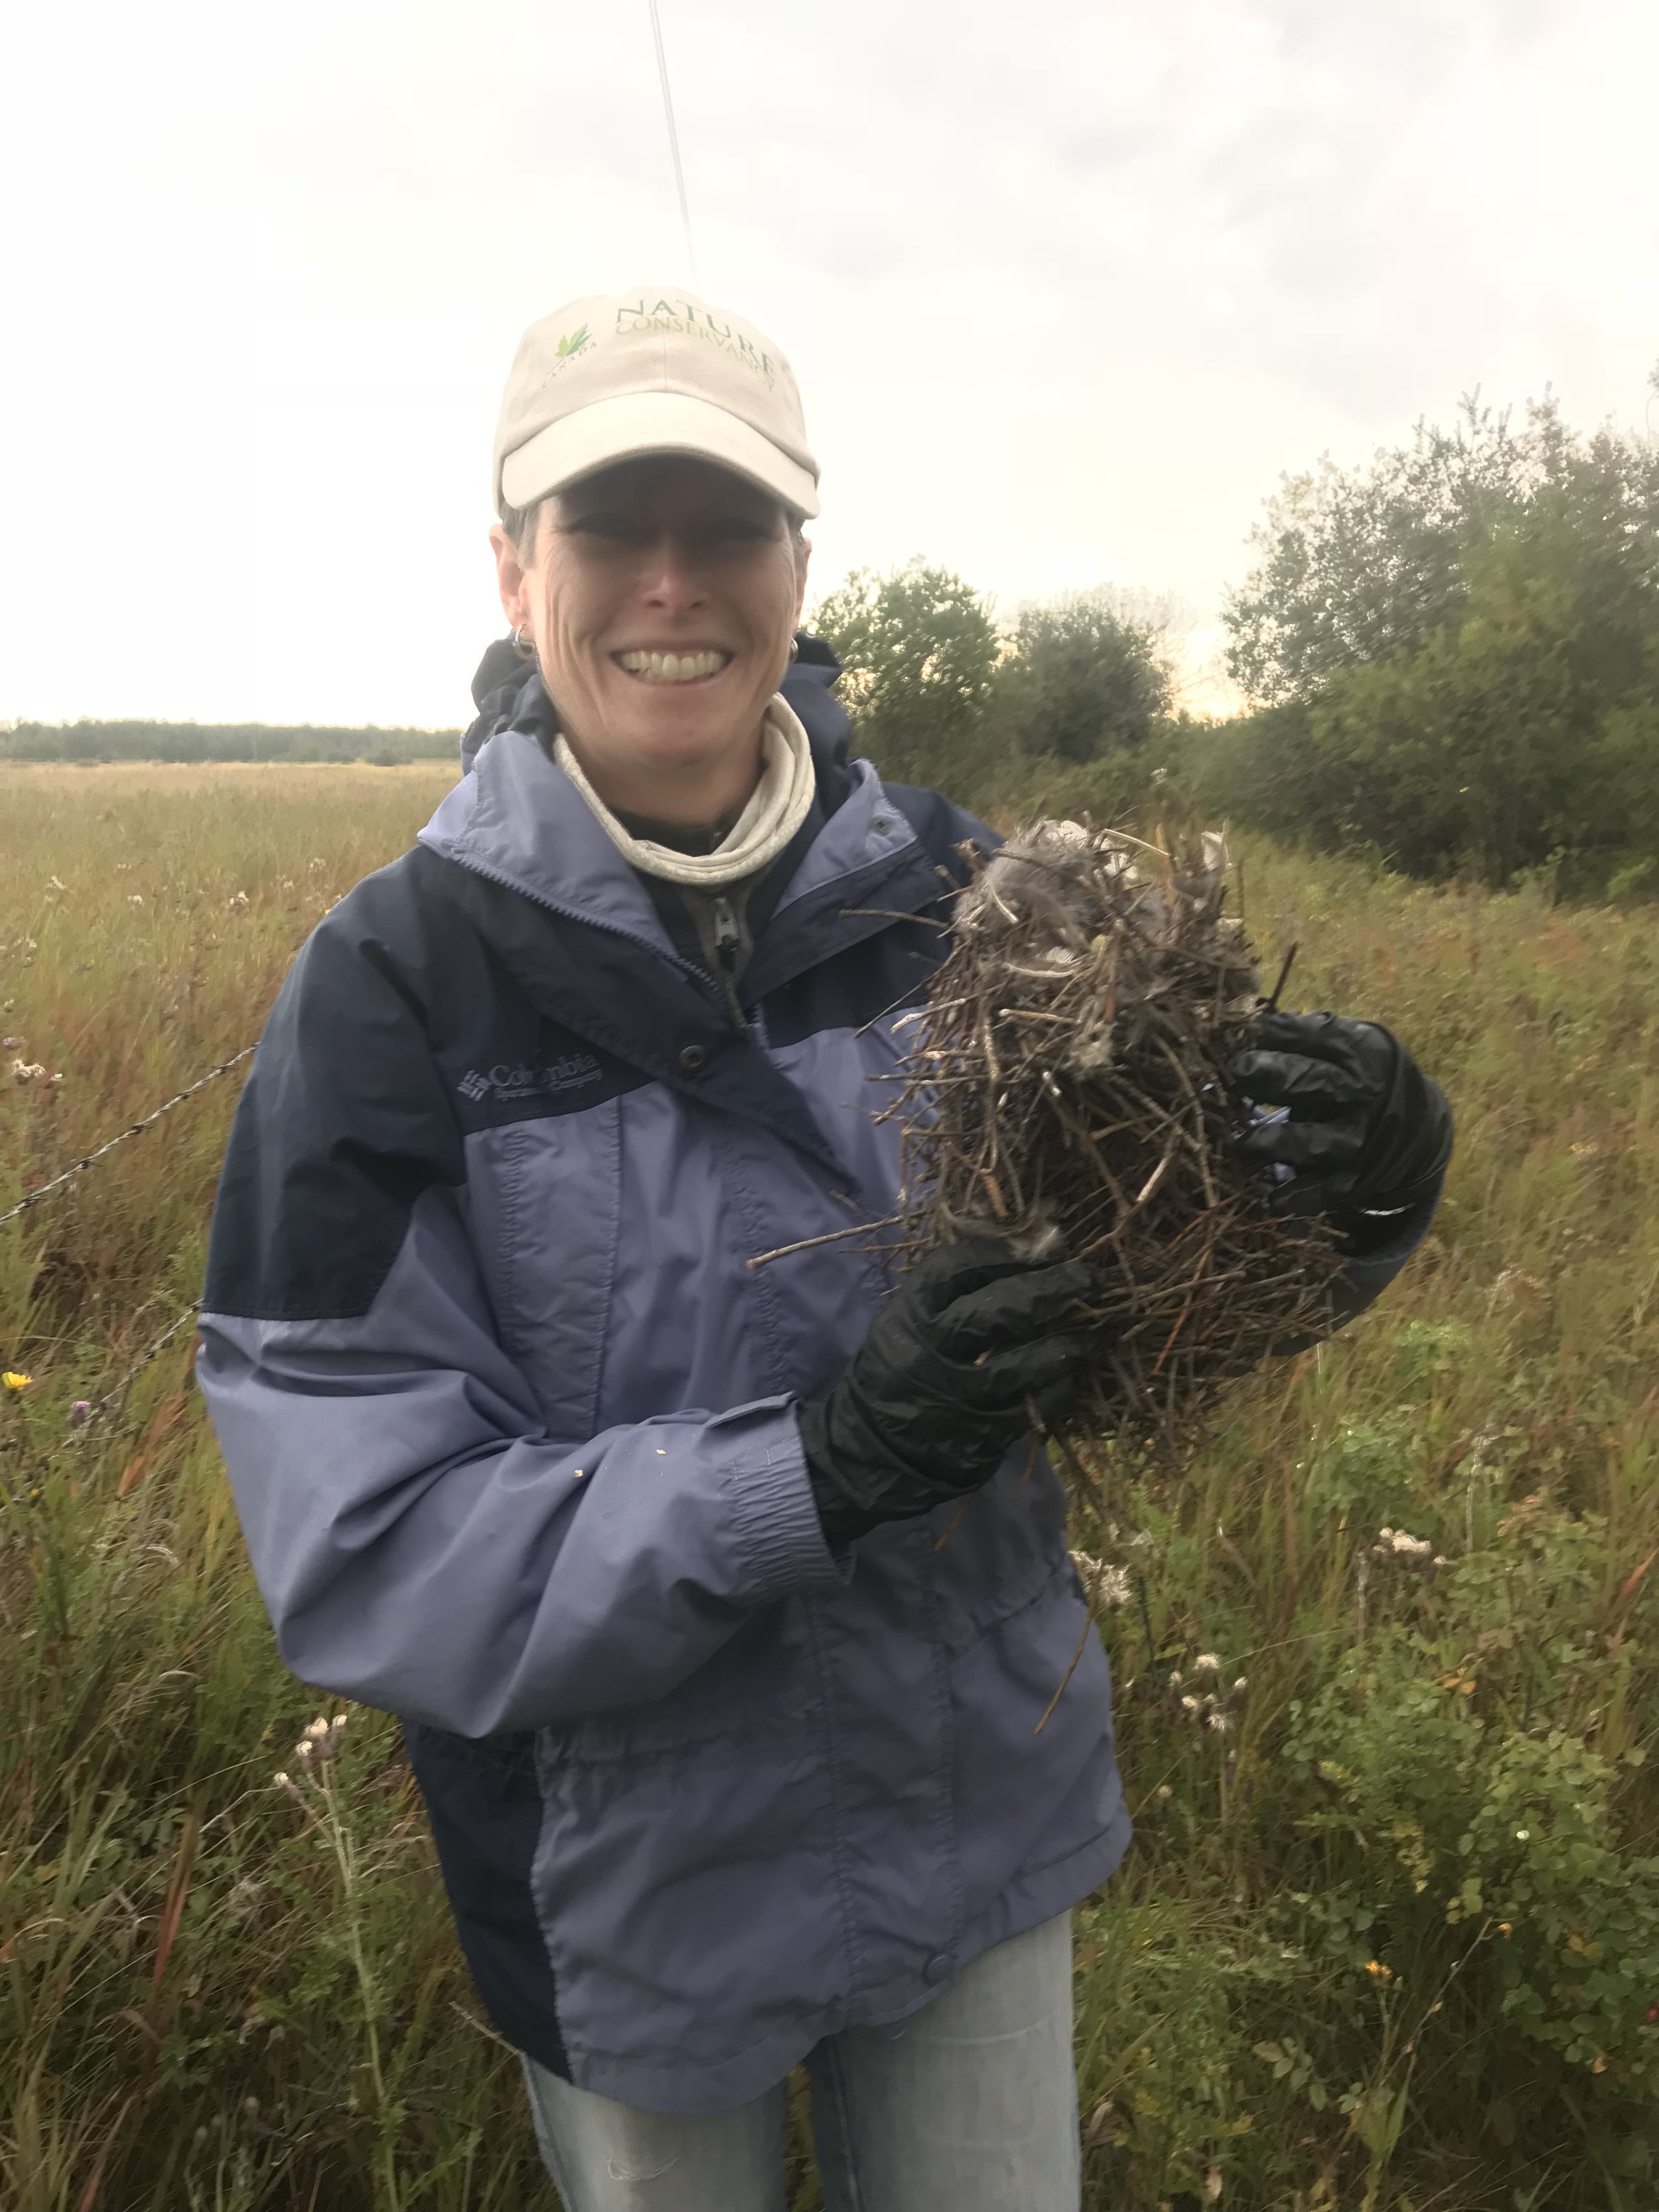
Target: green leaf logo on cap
{"type": "Point", "coordinates": [573, 342]}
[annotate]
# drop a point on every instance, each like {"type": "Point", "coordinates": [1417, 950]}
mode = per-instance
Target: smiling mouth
{"type": "Point", "coordinates": [672, 667]}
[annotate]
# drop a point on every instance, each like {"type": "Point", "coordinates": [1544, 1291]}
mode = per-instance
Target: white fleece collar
{"type": "Point", "coordinates": [776, 808]}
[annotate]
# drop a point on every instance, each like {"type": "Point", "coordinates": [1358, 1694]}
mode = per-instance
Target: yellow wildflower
{"type": "Point", "coordinates": [1375, 1967]}
{"type": "Point", "coordinates": [15, 1382]}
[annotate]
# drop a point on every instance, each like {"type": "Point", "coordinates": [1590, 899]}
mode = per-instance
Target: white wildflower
{"type": "Point", "coordinates": [321, 1741]}
{"type": "Point", "coordinates": [1398, 1544]}
{"type": "Point", "coordinates": [1218, 1721]}
{"type": "Point", "coordinates": [1207, 1663]}
{"type": "Point", "coordinates": [1103, 1584]}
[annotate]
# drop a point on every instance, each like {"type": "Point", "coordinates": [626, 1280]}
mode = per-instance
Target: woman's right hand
{"type": "Point", "coordinates": [944, 1383]}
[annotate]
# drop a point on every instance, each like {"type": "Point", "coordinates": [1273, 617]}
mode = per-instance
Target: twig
{"type": "Point", "coordinates": [1284, 978]}
{"type": "Point", "coordinates": [833, 1236]}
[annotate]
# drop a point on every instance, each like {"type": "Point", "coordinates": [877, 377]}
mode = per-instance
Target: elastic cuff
{"type": "Point", "coordinates": [779, 1532]}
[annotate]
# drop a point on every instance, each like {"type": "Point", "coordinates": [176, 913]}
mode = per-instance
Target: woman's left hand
{"type": "Point", "coordinates": [1363, 1132]}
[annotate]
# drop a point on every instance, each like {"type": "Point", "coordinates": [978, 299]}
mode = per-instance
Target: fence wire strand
{"type": "Point", "coordinates": [80, 1167]}
{"type": "Point", "coordinates": [86, 1415]}
{"type": "Point", "coordinates": [99, 1408]}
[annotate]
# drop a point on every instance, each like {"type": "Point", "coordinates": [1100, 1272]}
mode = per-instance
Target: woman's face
{"type": "Point", "coordinates": [662, 595]}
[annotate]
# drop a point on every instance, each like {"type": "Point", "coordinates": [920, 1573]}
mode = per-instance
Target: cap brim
{"type": "Point", "coordinates": [638, 423]}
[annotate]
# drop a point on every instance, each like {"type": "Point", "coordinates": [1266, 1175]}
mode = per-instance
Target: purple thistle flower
{"type": "Point", "coordinates": [79, 1413]}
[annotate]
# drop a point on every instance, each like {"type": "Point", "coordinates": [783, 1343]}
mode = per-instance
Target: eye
{"type": "Point", "coordinates": [603, 523]}
{"type": "Point", "coordinates": [740, 529]}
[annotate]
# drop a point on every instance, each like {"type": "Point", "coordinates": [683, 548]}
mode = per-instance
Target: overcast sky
{"type": "Point", "coordinates": [1065, 289]}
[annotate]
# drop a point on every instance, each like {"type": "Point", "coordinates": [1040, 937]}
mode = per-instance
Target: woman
{"type": "Point", "coordinates": [707, 1569]}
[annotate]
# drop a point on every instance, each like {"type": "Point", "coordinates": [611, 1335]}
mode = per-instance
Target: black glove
{"type": "Point", "coordinates": [937, 1393]}
{"type": "Point", "coordinates": [1366, 1133]}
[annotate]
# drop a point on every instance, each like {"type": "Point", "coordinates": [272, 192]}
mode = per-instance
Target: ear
{"type": "Point", "coordinates": [510, 578]}
{"type": "Point", "coordinates": [803, 556]}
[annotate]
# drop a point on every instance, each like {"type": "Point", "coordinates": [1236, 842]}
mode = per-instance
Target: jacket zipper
{"type": "Point", "coordinates": [728, 945]}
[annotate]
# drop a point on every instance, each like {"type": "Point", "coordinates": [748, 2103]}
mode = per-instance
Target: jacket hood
{"type": "Point", "coordinates": [509, 695]}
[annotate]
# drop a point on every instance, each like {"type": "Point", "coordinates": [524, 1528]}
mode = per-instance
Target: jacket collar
{"type": "Point", "coordinates": [519, 828]}
{"type": "Point", "coordinates": [516, 819]}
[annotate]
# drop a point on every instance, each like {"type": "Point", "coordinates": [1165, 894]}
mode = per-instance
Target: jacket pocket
{"type": "Point", "coordinates": [688, 1902]}
{"type": "Point", "coordinates": [1032, 1791]}
{"type": "Point", "coordinates": [546, 1211]}
{"type": "Point", "coordinates": [994, 1557]}
{"type": "Point", "coordinates": [757, 1689]}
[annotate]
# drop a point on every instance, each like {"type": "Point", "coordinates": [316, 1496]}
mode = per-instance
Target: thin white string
{"type": "Point", "coordinates": [673, 139]}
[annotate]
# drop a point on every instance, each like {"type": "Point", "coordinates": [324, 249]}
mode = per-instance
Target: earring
{"type": "Point", "coordinates": [794, 648]}
{"type": "Point", "coordinates": [525, 648]}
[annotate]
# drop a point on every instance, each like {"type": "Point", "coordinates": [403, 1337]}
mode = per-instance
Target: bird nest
{"type": "Point", "coordinates": [1069, 1091]}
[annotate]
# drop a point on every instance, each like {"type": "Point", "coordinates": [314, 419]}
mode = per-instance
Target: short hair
{"type": "Point", "coordinates": [520, 524]}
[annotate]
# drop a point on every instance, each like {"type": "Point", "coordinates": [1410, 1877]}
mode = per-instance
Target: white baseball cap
{"type": "Point", "coordinates": [608, 378]}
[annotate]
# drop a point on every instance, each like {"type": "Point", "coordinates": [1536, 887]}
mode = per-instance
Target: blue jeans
{"type": "Point", "coordinates": [968, 2106]}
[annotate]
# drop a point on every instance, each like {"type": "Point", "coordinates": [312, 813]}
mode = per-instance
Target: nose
{"type": "Point", "coordinates": [672, 582]}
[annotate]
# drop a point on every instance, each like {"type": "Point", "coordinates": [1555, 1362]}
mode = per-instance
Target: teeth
{"type": "Point", "coordinates": [673, 667]}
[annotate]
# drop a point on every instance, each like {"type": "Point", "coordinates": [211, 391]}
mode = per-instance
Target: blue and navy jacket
{"type": "Point", "coordinates": [510, 1421]}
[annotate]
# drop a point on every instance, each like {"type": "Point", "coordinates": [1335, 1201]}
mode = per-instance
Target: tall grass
{"type": "Point", "coordinates": [1389, 1938]}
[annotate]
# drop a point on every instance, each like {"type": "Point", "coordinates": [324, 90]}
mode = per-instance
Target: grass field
{"type": "Point", "coordinates": [1390, 1938]}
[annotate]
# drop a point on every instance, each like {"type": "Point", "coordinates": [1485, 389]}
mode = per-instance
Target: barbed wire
{"type": "Point", "coordinates": [80, 1166]}
{"type": "Point", "coordinates": [87, 1413]}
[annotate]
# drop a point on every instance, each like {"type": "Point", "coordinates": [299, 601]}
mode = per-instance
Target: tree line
{"type": "Point", "coordinates": [1451, 655]}
{"type": "Point", "coordinates": [91, 741]}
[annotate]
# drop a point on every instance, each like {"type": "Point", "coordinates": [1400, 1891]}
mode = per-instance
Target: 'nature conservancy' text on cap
{"type": "Point", "coordinates": [609, 379]}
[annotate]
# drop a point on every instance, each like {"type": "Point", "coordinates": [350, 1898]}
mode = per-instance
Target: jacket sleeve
{"type": "Point", "coordinates": [1371, 1262]}
{"type": "Point", "coordinates": [1373, 1265]}
{"type": "Point", "coordinates": [420, 1542]}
